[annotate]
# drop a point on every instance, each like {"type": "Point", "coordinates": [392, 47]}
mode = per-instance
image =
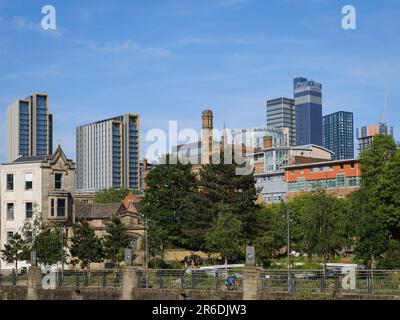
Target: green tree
{"type": "Point", "coordinates": [116, 241]}
{"type": "Point", "coordinates": [388, 193]}
{"type": "Point", "coordinates": [169, 205]}
{"type": "Point", "coordinates": [375, 204]}
{"type": "Point", "coordinates": [374, 158]}
{"type": "Point", "coordinates": [113, 195]}
{"type": "Point", "coordinates": [371, 238]}
{"type": "Point", "coordinates": [48, 246]}
{"type": "Point", "coordinates": [32, 228]}
{"type": "Point", "coordinates": [391, 258]}
{"type": "Point", "coordinates": [85, 245]}
{"type": "Point", "coordinates": [271, 233]}
{"type": "Point", "coordinates": [220, 184]}
{"type": "Point", "coordinates": [14, 250]}
{"type": "Point", "coordinates": [226, 234]}
{"type": "Point", "coordinates": [322, 224]}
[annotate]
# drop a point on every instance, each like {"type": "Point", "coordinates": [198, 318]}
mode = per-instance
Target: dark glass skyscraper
{"type": "Point", "coordinates": [308, 105]}
{"type": "Point", "coordinates": [338, 134]}
{"type": "Point", "coordinates": [29, 127]}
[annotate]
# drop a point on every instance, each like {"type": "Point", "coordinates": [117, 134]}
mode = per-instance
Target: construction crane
{"type": "Point", "coordinates": [384, 109]}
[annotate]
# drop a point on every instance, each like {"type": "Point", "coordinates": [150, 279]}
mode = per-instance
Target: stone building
{"type": "Point", "coordinates": [43, 184]}
{"type": "Point", "coordinates": [98, 215]}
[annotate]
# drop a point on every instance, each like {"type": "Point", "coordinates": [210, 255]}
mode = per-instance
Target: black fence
{"type": "Point", "coordinates": [359, 282]}
{"type": "Point", "coordinates": [223, 280]}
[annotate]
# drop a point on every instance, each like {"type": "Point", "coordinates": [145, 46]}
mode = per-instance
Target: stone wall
{"type": "Point", "coordinates": [20, 293]}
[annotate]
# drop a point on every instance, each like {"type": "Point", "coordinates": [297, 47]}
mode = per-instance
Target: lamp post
{"type": "Point", "coordinates": [288, 237]}
{"type": "Point", "coordinates": [62, 251]}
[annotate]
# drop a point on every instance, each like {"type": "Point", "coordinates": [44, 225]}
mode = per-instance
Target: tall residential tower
{"type": "Point", "coordinates": [308, 105]}
{"type": "Point", "coordinates": [338, 134]}
{"type": "Point", "coordinates": [29, 127]}
{"type": "Point", "coordinates": [107, 154]}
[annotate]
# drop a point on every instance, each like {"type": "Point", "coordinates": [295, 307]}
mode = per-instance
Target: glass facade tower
{"type": "Point", "coordinates": [29, 127]}
{"type": "Point", "coordinates": [308, 106]}
{"type": "Point", "coordinates": [338, 134]}
{"type": "Point", "coordinates": [281, 114]}
{"type": "Point", "coordinates": [107, 154]}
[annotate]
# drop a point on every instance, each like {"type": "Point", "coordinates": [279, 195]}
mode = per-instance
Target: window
{"type": "Point", "coordinates": [301, 183]}
{"type": "Point", "coordinates": [340, 180]}
{"type": "Point", "coordinates": [352, 166]}
{"type": "Point", "coordinates": [61, 208]}
{"type": "Point", "coordinates": [353, 182]}
{"type": "Point", "coordinates": [10, 211]}
{"type": "Point", "coordinates": [28, 210]}
{"type": "Point", "coordinates": [10, 182]}
{"type": "Point", "coordinates": [331, 184]}
{"type": "Point", "coordinates": [52, 208]}
{"type": "Point", "coordinates": [291, 172]}
{"type": "Point", "coordinates": [28, 181]}
{"type": "Point", "coordinates": [341, 167]}
{"type": "Point", "coordinates": [58, 181]}
{"type": "Point", "coordinates": [10, 235]}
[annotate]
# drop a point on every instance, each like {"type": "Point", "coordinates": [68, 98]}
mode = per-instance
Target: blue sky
{"type": "Point", "coordinates": [169, 59]}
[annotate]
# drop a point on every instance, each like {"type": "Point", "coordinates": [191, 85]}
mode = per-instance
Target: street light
{"type": "Point", "coordinates": [62, 251]}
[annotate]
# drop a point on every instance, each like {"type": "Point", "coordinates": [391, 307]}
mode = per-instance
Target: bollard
{"type": "Point", "coordinates": [34, 283]}
{"type": "Point", "coordinates": [251, 283]}
{"type": "Point", "coordinates": [129, 282]}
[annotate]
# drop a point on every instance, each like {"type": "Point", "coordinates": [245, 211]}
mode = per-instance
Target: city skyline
{"type": "Point", "coordinates": [226, 59]}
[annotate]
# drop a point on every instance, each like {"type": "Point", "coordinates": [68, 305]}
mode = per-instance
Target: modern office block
{"type": "Point", "coordinates": [338, 134]}
{"type": "Point", "coordinates": [29, 127]}
{"type": "Point", "coordinates": [107, 154]}
{"type": "Point", "coordinates": [281, 114]}
{"type": "Point", "coordinates": [308, 105]}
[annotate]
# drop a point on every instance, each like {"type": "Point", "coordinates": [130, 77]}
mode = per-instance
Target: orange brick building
{"type": "Point", "coordinates": [338, 177]}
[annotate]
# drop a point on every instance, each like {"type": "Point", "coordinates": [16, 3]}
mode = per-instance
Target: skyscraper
{"type": "Point", "coordinates": [308, 105]}
{"type": "Point", "coordinates": [29, 127]}
{"type": "Point", "coordinates": [107, 154]}
{"type": "Point", "coordinates": [338, 134]}
{"type": "Point", "coordinates": [366, 134]}
{"type": "Point", "coordinates": [281, 114]}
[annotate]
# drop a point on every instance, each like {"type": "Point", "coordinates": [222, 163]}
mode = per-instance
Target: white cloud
{"type": "Point", "coordinates": [26, 24]}
{"type": "Point", "coordinates": [124, 46]}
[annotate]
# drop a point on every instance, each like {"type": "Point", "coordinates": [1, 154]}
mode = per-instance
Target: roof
{"type": "Point", "coordinates": [316, 164]}
{"type": "Point", "coordinates": [39, 159]}
{"type": "Point", "coordinates": [131, 204]}
{"type": "Point", "coordinates": [25, 159]}
{"type": "Point", "coordinates": [96, 211]}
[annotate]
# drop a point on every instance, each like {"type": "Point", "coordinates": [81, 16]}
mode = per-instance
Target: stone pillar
{"type": "Point", "coordinates": [129, 282]}
{"type": "Point", "coordinates": [34, 283]}
{"type": "Point", "coordinates": [251, 283]}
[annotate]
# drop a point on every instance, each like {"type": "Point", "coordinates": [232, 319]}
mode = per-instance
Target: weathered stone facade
{"type": "Point", "coordinates": [98, 215]}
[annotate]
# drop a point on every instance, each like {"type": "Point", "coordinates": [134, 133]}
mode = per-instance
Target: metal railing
{"type": "Point", "coordinates": [13, 278]}
{"type": "Point", "coordinates": [311, 281]}
{"type": "Point", "coordinates": [89, 278]}
{"type": "Point", "coordinates": [190, 279]}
